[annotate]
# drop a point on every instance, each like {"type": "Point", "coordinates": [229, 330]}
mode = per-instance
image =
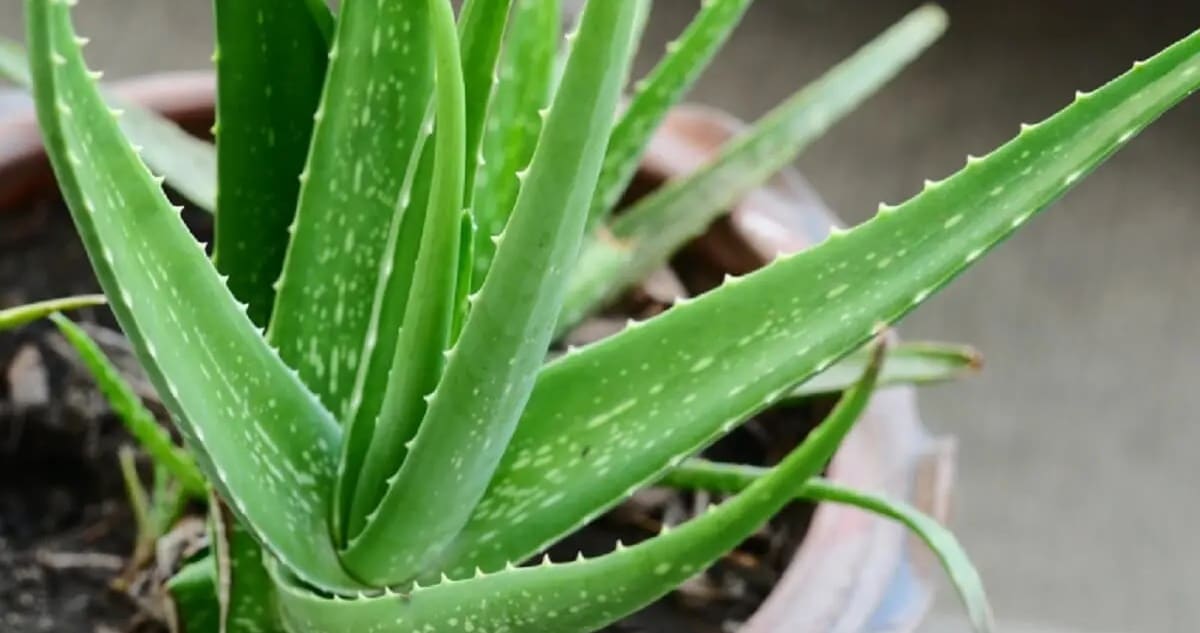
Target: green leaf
{"type": "Point", "coordinates": [655, 95]}
{"type": "Point", "coordinates": [582, 596]}
{"type": "Point", "coordinates": [258, 434]}
{"type": "Point", "coordinates": [483, 23]}
{"type": "Point", "coordinates": [514, 120]}
{"type": "Point", "coordinates": [15, 317]}
{"type": "Point", "coordinates": [138, 420]}
{"type": "Point", "coordinates": [491, 369]}
{"type": "Point", "coordinates": [271, 59]}
{"type": "Point", "coordinates": [907, 364]}
{"type": "Point", "coordinates": [647, 234]}
{"type": "Point", "coordinates": [432, 304]}
{"type": "Point", "coordinates": [367, 129]}
{"type": "Point", "coordinates": [192, 598]}
{"type": "Point", "coordinates": [245, 592]}
{"type": "Point", "coordinates": [187, 163]}
{"type": "Point", "coordinates": [699, 474]}
{"type": "Point", "coordinates": [613, 416]}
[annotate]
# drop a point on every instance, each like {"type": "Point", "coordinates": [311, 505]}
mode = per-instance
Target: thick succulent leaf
{"type": "Point", "coordinates": [483, 23]}
{"type": "Point", "coordinates": [698, 474]}
{"type": "Point", "coordinates": [20, 315]}
{"type": "Point", "coordinates": [585, 595]}
{"type": "Point", "coordinates": [187, 163]}
{"type": "Point", "coordinates": [191, 598]}
{"type": "Point", "coordinates": [322, 16]}
{"type": "Point", "coordinates": [245, 592]}
{"type": "Point", "coordinates": [491, 368]}
{"type": "Point", "coordinates": [138, 420]}
{"type": "Point", "coordinates": [271, 59]}
{"type": "Point", "coordinates": [646, 235]}
{"type": "Point", "coordinates": [514, 119]}
{"type": "Point", "coordinates": [429, 317]}
{"type": "Point", "coordinates": [609, 418]}
{"type": "Point", "coordinates": [365, 137]}
{"type": "Point", "coordinates": [654, 96]}
{"type": "Point", "coordinates": [907, 364]}
{"type": "Point", "coordinates": [259, 435]}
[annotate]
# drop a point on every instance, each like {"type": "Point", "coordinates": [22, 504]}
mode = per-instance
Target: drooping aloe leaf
{"type": "Point", "coordinates": [675, 383]}
{"type": "Point", "coordinates": [20, 315]}
{"type": "Point", "coordinates": [429, 317]}
{"type": "Point", "coordinates": [191, 604]}
{"type": "Point", "coordinates": [271, 59]}
{"type": "Point", "coordinates": [581, 597]}
{"type": "Point", "coordinates": [654, 96]}
{"type": "Point", "coordinates": [139, 421]}
{"type": "Point", "coordinates": [482, 30]}
{"type": "Point", "coordinates": [698, 474]}
{"type": "Point", "coordinates": [514, 119]}
{"type": "Point", "coordinates": [907, 364]}
{"type": "Point", "coordinates": [187, 163]}
{"type": "Point", "coordinates": [491, 369]}
{"type": "Point", "coordinates": [364, 139]}
{"type": "Point", "coordinates": [258, 434]}
{"type": "Point", "coordinates": [245, 592]}
{"type": "Point", "coordinates": [646, 235]}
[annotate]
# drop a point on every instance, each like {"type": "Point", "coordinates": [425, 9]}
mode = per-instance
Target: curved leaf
{"type": "Point", "coordinates": [907, 364]}
{"type": "Point", "coordinates": [259, 436]}
{"type": "Point", "coordinates": [20, 315]}
{"type": "Point", "coordinates": [677, 382]}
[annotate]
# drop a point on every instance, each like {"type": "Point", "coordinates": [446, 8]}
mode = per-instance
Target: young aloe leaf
{"type": "Point", "coordinates": [187, 163]}
{"type": "Point", "coordinates": [191, 598]}
{"type": "Point", "coordinates": [139, 421]}
{"type": "Point", "coordinates": [646, 235]}
{"type": "Point", "coordinates": [491, 368]}
{"type": "Point", "coordinates": [245, 592]}
{"type": "Point", "coordinates": [483, 23]}
{"type": "Point", "coordinates": [367, 128]}
{"type": "Point", "coordinates": [514, 120]}
{"type": "Point", "coordinates": [581, 597]}
{"type": "Point", "coordinates": [20, 315]}
{"type": "Point", "coordinates": [655, 95]}
{"type": "Point", "coordinates": [907, 364]}
{"type": "Point", "coordinates": [673, 384]}
{"type": "Point", "coordinates": [698, 474]}
{"type": "Point", "coordinates": [426, 329]}
{"type": "Point", "coordinates": [259, 435]}
{"type": "Point", "coordinates": [270, 60]}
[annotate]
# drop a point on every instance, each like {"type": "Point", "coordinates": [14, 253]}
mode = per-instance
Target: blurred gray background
{"type": "Point", "coordinates": [1077, 473]}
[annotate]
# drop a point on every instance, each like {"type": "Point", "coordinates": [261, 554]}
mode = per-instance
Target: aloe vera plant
{"type": "Point", "coordinates": [360, 376]}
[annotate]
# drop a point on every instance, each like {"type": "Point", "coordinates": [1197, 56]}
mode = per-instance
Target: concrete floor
{"type": "Point", "coordinates": [1079, 436]}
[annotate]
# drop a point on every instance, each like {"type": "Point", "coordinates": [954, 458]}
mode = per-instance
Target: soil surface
{"type": "Point", "coordinates": [66, 532]}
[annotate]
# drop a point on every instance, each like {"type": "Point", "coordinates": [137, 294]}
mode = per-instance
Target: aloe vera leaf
{"type": "Point", "coordinates": [245, 592]}
{"type": "Point", "coordinates": [647, 234]}
{"type": "Point", "coordinates": [612, 416]}
{"type": "Point", "coordinates": [654, 96]}
{"type": "Point", "coordinates": [425, 332]}
{"type": "Point", "coordinates": [699, 474]}
{"type": "Point", "coordinates": [366, 131]}
{"type": "Point", "coordinates": [271, 59]}
{"type": "Point", "coordinates": [188, 163]}
{"type": "Point", "coordinates": [322, 16]}
{"type": "Point", "coordinates": [514, 119]}
{"type": "Point", "coordinates": [582, 596]}
{"type": "Point", "coordinates": [491, 368]}
{"type": "Point", "coordinates": [23, 314]}
{"type": "Point", "coordinates": [257, 433]}
{"type": "Point", "coordinates": [388, 308]}
{"type": "Point", "coordinates": [139, 500]}
{"type": "Point", "coordinates": [138, 420]}
{"type": "Point", "coordinates": [907, 364]}
{"type": "Point", "coordinates": [482, 31]}
{"type": "Point", "coordinates": [191, 598]}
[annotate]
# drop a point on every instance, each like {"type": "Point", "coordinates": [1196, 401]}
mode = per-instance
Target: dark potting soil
{"type": "Point", "coordinates": [66, 531]}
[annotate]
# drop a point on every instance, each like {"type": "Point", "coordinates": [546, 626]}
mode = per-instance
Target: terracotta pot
{"type": "Point", "coordinates": [853, 573]}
